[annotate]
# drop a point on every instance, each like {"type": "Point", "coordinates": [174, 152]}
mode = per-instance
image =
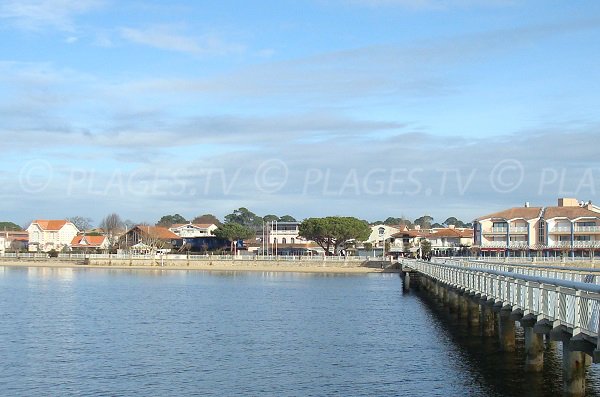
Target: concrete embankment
{"type": "Point", "coordinates": [328, 266]}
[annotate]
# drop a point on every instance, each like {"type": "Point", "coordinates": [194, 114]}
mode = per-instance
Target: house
{"type": "Point", "coordinates": [46, 235]}
{"type": "Point", "coordinates": [406, 241]}
{"type": "Point", "coordinates": [14, 240]}
{"type": "Point", "coordinates": [570, 227]}
{"type": "Point", "coordinates": [380, 234]}
{"type": "Point", "coordinates": [191, 230]}
{"type": "Point", "coordinates": [85, 242]}
{"type": "Point", "coordinates": [450, 241]}
{"type": "Point", "coordinates": [156, 237]}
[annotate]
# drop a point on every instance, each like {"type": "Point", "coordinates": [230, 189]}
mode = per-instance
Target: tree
{"type": "Point", "coordinates": [245, 217]}
{"type": "Point", "coordinates": [112, 226]}
{"type": "Point", "coordinates": [287, 218]}
{"type": "Point", "coordinates": [9, 227]}
{"type": "Point", "coordinates": [391, 221]}
{"type": "Point", "coordinates": [425, 222]}
{"type": "Point", "coordinates": [170, 220]}
{"type": "Point", "coordinates": [207, 219]}
{"type": "Point", "coordinates": [81, 222]}
{"type": "Point", "coordinates": [270, 218]}
{"type": "Point", "coordinates": [333, 231]}
{"type": "Point", "coordinates": [425, 248]}
{"type": "Point", "coordinates": [452, 221]}
{"type": "Point", "coordinates": [233, 232]}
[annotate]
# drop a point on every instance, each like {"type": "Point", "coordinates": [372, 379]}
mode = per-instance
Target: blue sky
{"type": "Point", "coordinates": [370, 108]}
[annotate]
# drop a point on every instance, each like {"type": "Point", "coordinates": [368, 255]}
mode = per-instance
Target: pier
{"type": "Point", "coordinates": [551, 303]}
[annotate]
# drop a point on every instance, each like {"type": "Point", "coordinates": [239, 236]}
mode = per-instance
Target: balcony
{"type": "Point", "coordinates": [502, 244]}
{"type": "Point", "coordinates": [284, 232]}
{"type": "Point", "coordinates": [576, 244]}
{"type": "Point", "coordinates": [518, 229]}
{"type": "Point", "coordinates": [587, 229]}
{"type": "Point", "coordinates": [496, 230]}
{"type": "Point", "coordinates": [561, 229]}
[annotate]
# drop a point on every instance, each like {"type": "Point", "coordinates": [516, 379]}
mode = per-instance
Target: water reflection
{"type": "Point", "coordinates": [504, 372]}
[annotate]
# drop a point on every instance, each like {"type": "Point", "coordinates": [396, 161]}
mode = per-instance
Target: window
{"type": "Point", "coordinates": [283, 241]}
{"type": "Point", "coordinates": [293, 240]}
{"type": "Point", "coordinates": [542, 232]}
{"type": "Point", "coordinates": [583, 238]}
{"type": "Point", "coordinates": [381, 231]}
{"type": "Point", "coordinates": [584, 224]}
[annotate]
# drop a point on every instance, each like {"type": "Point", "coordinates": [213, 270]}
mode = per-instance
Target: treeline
{"type": "Point", "coordinates": [241, 216]}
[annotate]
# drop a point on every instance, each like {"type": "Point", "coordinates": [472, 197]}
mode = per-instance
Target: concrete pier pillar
{"type": "Point", "coordinates": [534, 345]}
{"type": "Point", "coordinates": [406, 282]}
{"type": "Point", "coordinates": [453, 301]}
{"type": "Point", "coordinates": [506, 331]}
{"type": "Point", "coordinates": [463, 309]}
{"type": "Point", "coordinates": [573, 370]}
{"type": "Point", "coordinates": [473, 312]}
{"type": "Point", "coordinates": [488, 320]}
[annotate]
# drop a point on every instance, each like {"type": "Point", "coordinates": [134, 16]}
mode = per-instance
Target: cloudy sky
{"type": "Point", "coordinates": [370, 108]}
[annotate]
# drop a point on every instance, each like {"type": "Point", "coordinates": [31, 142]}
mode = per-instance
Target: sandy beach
{"type": "Point", "coordinates": [222, 265]}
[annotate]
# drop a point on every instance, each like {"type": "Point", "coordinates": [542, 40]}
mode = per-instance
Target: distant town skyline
{"type": "Point", "coordinates": [366, 108]}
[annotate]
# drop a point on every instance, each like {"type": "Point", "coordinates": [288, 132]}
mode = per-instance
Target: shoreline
{"type": "Point", "coordinates": [220, 266]}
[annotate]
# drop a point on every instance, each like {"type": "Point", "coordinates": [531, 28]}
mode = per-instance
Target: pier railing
{"type": "Point", "coordinates": [561, 272]}
{"type": "Point", "coordinates": [573, 304]}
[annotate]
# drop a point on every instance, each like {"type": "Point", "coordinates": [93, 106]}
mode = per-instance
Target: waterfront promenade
{"type": "Point", "coordinates": [203, 262]}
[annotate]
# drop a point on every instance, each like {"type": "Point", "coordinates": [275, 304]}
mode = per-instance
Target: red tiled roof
{"type": "Point", "coordinates": [514, 213]}
{"type": "Point", "coordinates": [50, 224]}
{"type": "Point", "coordinates": [449, 232]}
{"type": "Point", "coordinates": [409, 233]}
{"type": "Point", "coordinates": [569, 212]}
{"type": "Point", "coordinates": [158, 232]}
{"type": "Point", "coordinates": [92, 241]}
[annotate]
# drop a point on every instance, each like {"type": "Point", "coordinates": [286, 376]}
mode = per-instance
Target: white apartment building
{"type": "Point", "coordinates": [570, 227]}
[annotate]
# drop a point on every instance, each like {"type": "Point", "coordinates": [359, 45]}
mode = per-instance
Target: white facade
{"type": "Point", "coordinates": [45, 235]}
{"type": "Point", "coordinates": [3, 246]}
{"type": "Point", "coordinates": [380, 234]}
{"type": "Point", "coordinates": [284, 233]}
{"type": "Point", "coordinates": [191, 230]}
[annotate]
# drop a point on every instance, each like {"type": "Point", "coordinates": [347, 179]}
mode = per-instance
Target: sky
{"type": "Point", "coordinates": [366, 108]}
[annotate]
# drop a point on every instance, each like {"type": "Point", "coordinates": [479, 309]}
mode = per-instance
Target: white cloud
{"type": "Point", "coordinates": [40, 14]}
{"type": "Point", "coordinates": [166, 38]}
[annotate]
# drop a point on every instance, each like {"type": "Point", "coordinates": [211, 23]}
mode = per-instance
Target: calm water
{"type": "Point", "coordinates": [94, 332]}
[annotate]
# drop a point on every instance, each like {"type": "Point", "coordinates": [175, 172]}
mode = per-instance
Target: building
{"type": "Point", "coordinates": [406, 241]}
{"type": "Point", "coordinates": [569, 228]}
{"type": "Point", "coordinates": [46, 235]}
{"type": "Point", "coordinates": [14, 241]}
{"type": "Point", "coordinates": [191, 230]}
{"type": "Point", "coordinates": [380, 234]}
{"type": "Point", "coordinates": [88, 243]}
{"type": "Point", "coordinates": [155, 237]}
{"type": "Point", "coordinates": [450, 241]}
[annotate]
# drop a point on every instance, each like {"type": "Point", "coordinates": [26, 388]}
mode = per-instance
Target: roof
{"type": "Point", "coordinates": [198, 225]}
{"type": "Point", "coordinates": [158, 232]}
{"type": "Point", "coordinates": [87, 241]}
{"type": "Point", "coordinates": [409, 233]}
{"type": "Point", "coordinates": [514, 213]}
{"type": "Point", "coordinates": [451, 232]}
{"type": "Point", "coordinates": [569, 212]}
{"type": "Point", "coordinates": [50, 224]}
